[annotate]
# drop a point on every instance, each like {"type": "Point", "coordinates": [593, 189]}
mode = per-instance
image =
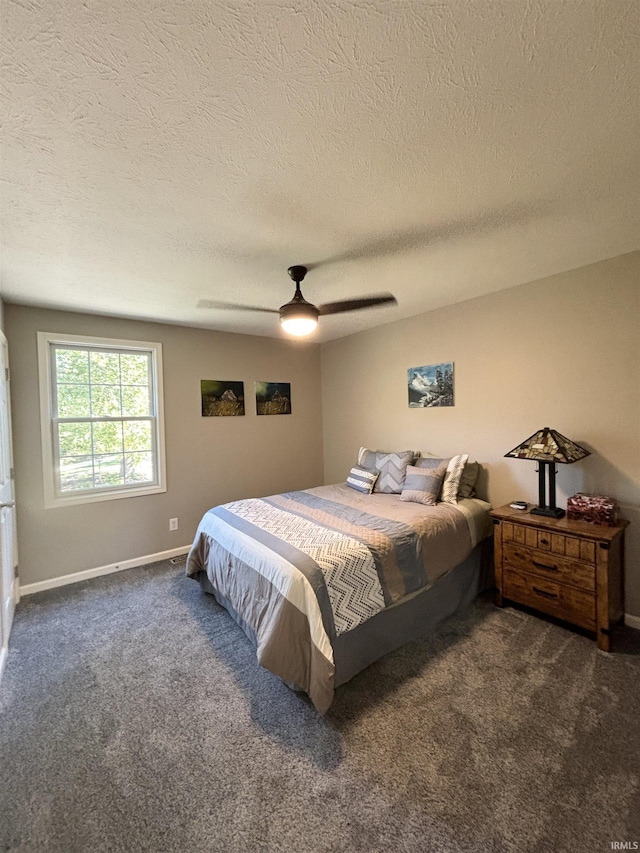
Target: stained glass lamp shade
{"type": "Point", "coordinates": [547, 447]}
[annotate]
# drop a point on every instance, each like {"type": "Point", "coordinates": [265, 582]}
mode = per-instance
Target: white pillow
{"type": "Point", "coordinates": [452, 478]}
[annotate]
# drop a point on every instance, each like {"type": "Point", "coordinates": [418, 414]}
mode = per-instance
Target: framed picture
{"type": "Point", "coordinates": [221, 398]}
{"type": "Point", "coordinates": [273, 398]}
{"type": "Point", "coordinates": [430, 385]}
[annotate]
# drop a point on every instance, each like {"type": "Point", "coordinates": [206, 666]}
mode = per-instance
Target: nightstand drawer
{"type": "Point", "coordinates": [545, 540]}
{"type": "Point", "coordinates": [557, 600]}
{"type": "Point", "coordinates": [551, 566]}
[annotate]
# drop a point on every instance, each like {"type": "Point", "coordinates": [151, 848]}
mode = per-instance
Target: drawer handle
{"type": "Point", "coordinates": [545, 566]}
{"type": "Point", "coordinates": [544, 541]}
{"type": "Point", "coordinates": [544, 593]}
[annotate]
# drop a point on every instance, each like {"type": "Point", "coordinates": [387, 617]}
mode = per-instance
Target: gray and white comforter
{"type": "Point", "coordinates": [302, 568]}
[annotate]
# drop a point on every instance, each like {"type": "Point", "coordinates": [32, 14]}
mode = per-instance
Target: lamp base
{"type": "Point", "coordinates": [548, 512]}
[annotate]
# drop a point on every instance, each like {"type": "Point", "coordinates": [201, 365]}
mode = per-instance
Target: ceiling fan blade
{"type": "Point", "coordinates": [357, 304]}
{"type": "Point", "coordinates": [231, 306]}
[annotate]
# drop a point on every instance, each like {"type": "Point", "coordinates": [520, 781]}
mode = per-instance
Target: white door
{"type": "Point", "coordinates": [8, 549]}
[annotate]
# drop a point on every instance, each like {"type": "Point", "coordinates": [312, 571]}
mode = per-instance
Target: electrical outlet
{"type": "Point", "coordinates": [173, 524]}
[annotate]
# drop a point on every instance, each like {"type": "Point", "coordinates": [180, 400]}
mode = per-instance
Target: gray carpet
{"type": "Point", "coordinates": [134, 717]}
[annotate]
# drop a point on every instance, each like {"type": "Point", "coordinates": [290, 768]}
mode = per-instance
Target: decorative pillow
{"type": "Point", "coordinates": [452, 478]}
{"type": "Point", "coordinates": [458, 481]}
{"type": "Point", "coordinates": [392, 468]}
{"type": "Point", "coordinates": [422, 484]}
{"type": "Point", "coordinates": [467, 487]}
{"type": "Point", "coordinates": [362, 480]}
{"type": "Point", "coordinates": [431, 462]}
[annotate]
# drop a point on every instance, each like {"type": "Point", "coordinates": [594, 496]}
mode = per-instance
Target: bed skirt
{"type": "Point", "coordinates": [415, 616]}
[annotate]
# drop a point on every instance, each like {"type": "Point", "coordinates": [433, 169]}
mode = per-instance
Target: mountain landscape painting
{"type": "Point", "coordinates": [430, 385]}
{"type": "Point", "coordinates": [273, 398]}
{"type": "Point", "coordinates": [221, 398]}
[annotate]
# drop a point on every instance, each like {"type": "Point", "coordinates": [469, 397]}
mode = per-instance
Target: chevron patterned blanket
{"type": "Point", "coordinates": [299, 569]}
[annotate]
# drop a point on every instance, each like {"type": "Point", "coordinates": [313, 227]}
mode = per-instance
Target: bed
{"type": "Point", "coordinates": [327, 580]}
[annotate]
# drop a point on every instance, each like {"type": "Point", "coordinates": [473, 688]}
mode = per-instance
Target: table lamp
{"type": "Point", "coordinates": [547, 447]}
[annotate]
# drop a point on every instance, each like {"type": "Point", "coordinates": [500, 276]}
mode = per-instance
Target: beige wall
{"type": "Point", "coordinates": [209, 460]}
{"type": "Point", "coordinates": [562, 352]}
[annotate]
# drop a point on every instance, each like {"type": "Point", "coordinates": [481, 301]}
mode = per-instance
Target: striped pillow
{"type": "Point", "coordinates": [422, 485]}
{"type": "Point", "coordinates": [432, 463]}
{"type": "Point", "coordinates": [392, 468]}
{"type": "Point", "coordinates": [362, 480]}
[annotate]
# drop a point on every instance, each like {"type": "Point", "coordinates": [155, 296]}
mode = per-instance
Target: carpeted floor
{"type": "Point", "coordinates": [134, 717]}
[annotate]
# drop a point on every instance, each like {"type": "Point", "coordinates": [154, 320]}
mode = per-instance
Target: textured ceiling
{"type": "Point", "coordinates": [158, 153]}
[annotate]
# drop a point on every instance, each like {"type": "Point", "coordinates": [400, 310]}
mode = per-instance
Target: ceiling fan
{"type": "Point", "coordinates": [299, 317]}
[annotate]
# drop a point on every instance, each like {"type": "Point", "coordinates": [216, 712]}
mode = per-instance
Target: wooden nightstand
{"type": "Point", "coordinates": [569, 569]}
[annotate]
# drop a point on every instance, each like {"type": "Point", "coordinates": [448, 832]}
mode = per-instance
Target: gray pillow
{"type": "Point", "coordinates": [431, 462]}
{"type": "Point", "coordinates": [468, 480]}
{"type": "Point", "coordinates": [392, 468]}
{"type": "Point", "coordinates": [422, 484]}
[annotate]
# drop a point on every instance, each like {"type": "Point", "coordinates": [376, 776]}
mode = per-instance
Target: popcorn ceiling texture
{"type": "Point", "coordinates": [159, 153]}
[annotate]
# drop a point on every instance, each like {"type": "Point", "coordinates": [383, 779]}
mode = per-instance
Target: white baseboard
{"type": "Point", "coordinates": [63, 580]}
{"type": "Point", "coordinates": [3, 660]}
{"type": "Point", "coordinates": [632, 621]}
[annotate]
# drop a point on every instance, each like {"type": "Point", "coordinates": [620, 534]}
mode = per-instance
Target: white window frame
{"type": "Point", "coordinates": [52, 496]}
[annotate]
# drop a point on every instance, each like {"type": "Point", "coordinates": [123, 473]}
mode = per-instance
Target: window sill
{"type": "Point", "coordinates": [56, 502]}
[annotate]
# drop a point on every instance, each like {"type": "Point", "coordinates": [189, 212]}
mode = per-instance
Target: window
{"type": "Point", "coordinates": [101, 412]}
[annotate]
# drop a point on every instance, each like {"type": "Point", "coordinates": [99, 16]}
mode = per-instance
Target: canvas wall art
{"type": "Point", "coordinates": [273, 398]}
{"type": "Point", "coordinates": [221, 398]}
{"type": "Point", "coordinates": [430, 385]}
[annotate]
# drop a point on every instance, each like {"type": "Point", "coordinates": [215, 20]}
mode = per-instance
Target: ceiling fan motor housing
{"type": "Point", "coordinates": [298, 307]}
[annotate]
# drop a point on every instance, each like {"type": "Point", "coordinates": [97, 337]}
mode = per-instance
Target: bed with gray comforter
{"type": "Point", "coordinates": [319, 578]}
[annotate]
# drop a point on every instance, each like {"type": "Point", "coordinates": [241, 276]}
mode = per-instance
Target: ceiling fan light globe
{"type": "Point", "coordinates": [299, 317]}
{"type": "Point", "coordinates": [299, 326]}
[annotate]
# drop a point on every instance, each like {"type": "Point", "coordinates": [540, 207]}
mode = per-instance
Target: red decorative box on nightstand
{"type": "Point", "coordinates": [596, 509]}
